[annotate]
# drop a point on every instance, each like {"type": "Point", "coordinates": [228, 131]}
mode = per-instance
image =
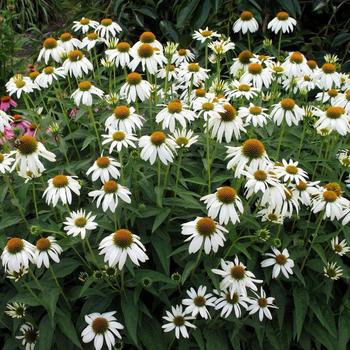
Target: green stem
{"type": "Point", "coordinates": [158, 172]}
{"type": "Point", "coordinates": [34, 200]}
{"type": "Point", "coordinates": [302, 139]}
{"type": "Point", "coordinates": [208, 158]}
{"type": "Point", "coordinates": [283, 126]}
{"type": "Point", "coordinates": [95, 127]}
{"type": "Point", "coordinates": [59, 286]}
{"type": "Point", "coordinates": [178, 171]}
{"type": "Point", "coordinates": [279, 43]}
{"type": "Point", "coordinates": [249, 45]}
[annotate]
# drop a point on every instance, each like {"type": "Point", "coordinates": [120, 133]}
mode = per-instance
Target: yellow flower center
{"type": "Point", "coordinates": [332, 92]}
{"type": "Point", "coordinates": [99, 325]}
{"type": "Point", "coordinates": [291, 169]}
{"type": "Point", "coordinates": [33, 75]}
{"type": "Point", "coordinates": [296, 57]}
{"type": "Point", "coordinates": [122, 238]}
{"type": "Point", "coordinates": [145, 51]}
{"type": "Point", "coordinates": [262, 302]}
{"type": "Point", "coordinates": [60, 181]}
{"type": "Point", "coordinates": [169, 67]}
{"type": "Point", "coordinates": [50, 43]}
{"type": "Point", "coordinates": [121, 112]}
{"type": "Point", "coordinates": [307, 78]}
{"type": "Point", "coordinates": [206, 226]}
{"type": "Point", "coordinates": [118, 135]}
{"type": "Point", "coordinates": [347, 95]}
{"type": "Point", "coordinates": [147, 37]}
{"type": "Point", "coordinates": [312, 64]}
{"type": "Point", "coordinates": [110, 186]}
{"type": "Point", "coordinates": [330, 196]}
{"type": "Point", "coordinates": [255, 68]}
{"type": "Point", "coordinates": [232, 300]}
{"type": "Point", "coordinates": [287, 104]}
{"type": "Point", "coordinates": [199, 301]}
{"type": "Point", "coordinates": [206, 33]}
{"type": "Point", "coordinates": [207, 106]}
{"type": "Point", "coordinates": [246, 16]}
{"type": "Point", "coordinates": [48, 70]}
{"type": "Point", "coordinates": [333, 186]}
{"type": "Point", "coordinates": [272, 217]}
{"type": "Point", "coordinates": [75, 55]}
{"type": "Point", "coordinates": [301, 186]}
{"type": "Point", "coordinates": [134, 78]}
{"type": "Point", "coordinates": [175, 106]}
{"type": "Point", "coordinates": [106, 22]}
{"type": "Point", "coordinates": [66, 36]}
{"type": "Point", "coordinates": [256, 110]}
{"type": "Point", "coordinates": [179, 321]}
{"type": "Point", "coordinates": [226, 194]}
{"type": "Point", "coordinates": [84, 21]}
{"type": "Point", "coordinates": [260, 175]}
{"type": "Point", "coordinates": [15, 245]}
{"type": "Point", "coordinates": [244, 87]}
{"type": "Point", "coordinates": [27, 144]}
{"type": "Point", "coordinates": [20, 83]}
{"type": "Point", "coordinates": [281, 259]}
{"type": "Point", "coordinates": [123, 46]}
{"type": "Point", "coordinates": [182, 52]}
{"type": "Point", "coordinates": [229, 114]}
{"type": "Point", "coordinates": [1, 157]}
{"type": "Point", "coordinates": [200, 92]}
{"type": "Point", "coordinates": [328, 68]}
{"type": "Point", "coordinates": [253, 149]}
{"type": "Point", "coordinates": [182, 141]}
{"type": "Point", "coordinates": [8, 98]}
{"type": "Point", "coordinates": [80, 221]}
{"type": "Point", "coordinates": [85, 86]}
{"type": "Point", "coordinates": [334, 112]}
{"type": "Point", "coordinates": [237, 272]}
{"type": "Point", "coordinates": [158, 137]}
{"type": "Point", "coordinates": [92, 36]}
{"type": "Point", "coordinates": [103, 162]}
{"type": "Point", "coordinates": [43, 244]}
{"type": "Point", "coordinates": [278, 69]}
{"type": "Point", "coordinates": [193, 67]}
{"type": "Point", "coordinates": [282, 16]}
{"type": "Point", "coordinates": [245, 56]}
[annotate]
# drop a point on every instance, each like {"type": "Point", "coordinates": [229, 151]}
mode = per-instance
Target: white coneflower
{"type": "Point", "coordinates": [29, 149]}
{"type": "Point", "coordinates": [289, 204]}
{"type": "Point", "coordinates": [255, 115]}
{"type": "Point", "coordinates": [236, 277]}
{"type": "Point", "coordinates": [207, 107]}
{"type": "Point", "coordinates": [5, 121]}
{"type": "Point", "coordinates": [16, 310]}
{"type": "Point", "coordinates": [135, 87]}
{"type": "Point", "coordinates": [101, 327]}
{"type": "Point", "coordinates": [122, 244]}
{"type": "Point", "coordinates": [46, 248]}
{"type": "Point", "coordinates": [205, 35]}
{"type": "Point", "coordinates": [266, 61]}
{"type": "Point", "coordinates": [19, 84]}
{"type": "Point", "coordinates": [15, 276]}
{"type": "Point", "coordinates": [149, 38]}
{"type": "Point", "coordinates": [271, 214]}
{"type": "Point", "coordinates": [226, 124]}
{"type": "Point", "coordinates": [76, 64]}
{"type": "Point", "coordinates": [198, 302]}
{"type": "Point", "coordinates": [109, 195]}
{"type": "Point", "coordinates": [225, 204]}
{"type": "Point", "coordinates": [204, 233]}
{"type": "Point", "coordinates": [83, 95]}
{"type": "Point", "coordinates": [283, 22]}
{"type": "Point", "coordinates": [174, 112]}
{"type": "Point", "coordinates": [328, 77]}
{"type": "Point", "coordinates": [148, 57]}
{"type": "Point", "coordinates": [17, 254]}
{"type": "Point", "coordinates": [90, 41]}
{"type": "Point", "coordinates": [48, 75]}
{"type": "Point", "coordinates": [227, 303]}
{"type": "Point", "coordinates": [84, 25]}
{"type": "Point", "coordinates": [261, 304]}
{"type": "Point", "coordinates": [120, 55]}
{"type": "Point", "coordinates": [296, 65]}
{"type": "Point", "coordinates": [340, 248]}
{"type": "Point", "coordinates": [178, 321]}
{"type": "Point", "coordinates": [246, 23]}
{"type": "Point", "coordinates": [182, 55]}
{"type": "Point", "coordinates": [281, 262]}
{"type": "Point", "coordinates": [184, 138]}
{"type": "Point", "coordinates": [305, 83]}
{"type": "Point", "coordinates": [220, 47]}
{"type": "Point", "coordinates": [332, 271]}
{"type": "Point", "coordinates": [51, 49]}
{"type": "Point", "coordinates": [104, 168]}
{"type": "Point", "coordinates": [334, 118]}
{"type": "Point", "coordinates": [343, 100]}
{"type": "Point", "coordinates": [257, 75]}
{"type": "Point", "coordinates": [305, 190]}
{"type": "Point", "coordinates": [192, 72]}
{"type": "Point", "coordinates": [328, 96]}
{"type": "Point", "coordinates": [124, 118]}
{"type": "Point", "coordinates": [241, 63]}
{"type": "Point", "coordinates": [157, 144]}
{"type": "Point", "coordinates": [169, 71]}
{"type": "Point", "coordinates": [108, 29]}
{"type": "Point", "coordinates": [290, 172]}
{"type": "Point", "coordinates": [78, 222]}
{"type": "Point", "coordinates": [69, 43]}
{"type": "Point", "coordinates": [237, 89]}
{"type": "Point", "coordinates": [252, 153]}
{"type": "Point", "coordinates": [287, 110]}
{"type": "Point", "coordinates": [29, 336]}
{"type": "Point", "coordinates": [118, 140]}
{"type": "Point", "coordinates": [60, 188]}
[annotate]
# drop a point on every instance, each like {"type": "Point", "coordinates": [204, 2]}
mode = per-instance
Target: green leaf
{"type": "Point", "coordinates": [162, 244]}
{"type": "Point", "coordinates": [65, 267]}
{"type": "Point", "coordinates": [46, 330]}
{"type": "Point", "coordinates": [51, 298]}
{"type": "Point", "coordinates": [160, 218]}
{"type": "Point", "coordinates": [131, 314]}
{"type": "Point", "coordinates": [301, 302]}
{"type": "Point", "coordinates": [343, 330]}
{"type": "Point", "coordinates": [66, 326]}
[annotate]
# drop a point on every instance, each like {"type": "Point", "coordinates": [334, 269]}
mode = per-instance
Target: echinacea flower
{"type": "Point", "coordinates": [84, 25]}
{"type": "Point", "coordinates": [204, 233]}
{"type": "Point", "coordinates": [5, 121]}
{"type": "Point", "coordinates": [237, 89]}
{"type": "Point", "coordinates": [328, 77]}
{"type": "Point", "coordinates": [184, 138]}
{"type": "Point", "coordinates": [228, 303]}
{"type": "Point", "coordinates": [192, 72]}
{"type": "Point", "coordinates": [109, 195]}
{"type": "Point", "coordinates": [205, 35]}
{"type": "Point", "coordinates": [29, 336]}
{"type": "Point", "coordinates": [17, 254]}
{"type": "Point", "coordinates": [68, 42]}
{"type": "Point", "coordinates": [29, 149]}
{"type": "Point", "coordinates": [339, 248]}
{"type": "Point", "coordinates": [198, 302]}
{"type": "Point", "coordinates": [48, 75]}
{"type": "Point", "coordinates": [341, 100]}
{"type": "Point", "coordinates": [333, 271]}
{"type": "Point", "coordinates": [16, 310]}
{"type": "Point", "coordinates": [122, 244]}
{"type": "Point", "coordinates": [305, 190]}
{"type": "Point", "coordinates": [6, 102]}
{"type": "Point", "coordinates": [182, 55]}
{"type": "Point", "coordinates": [104, 168]}
{"type": "Point", "coordinates": [157, 144]}
{"type": "Point", "coordinates": [257, 75]}
{"type": "Point", "coordinates": [120, 55]}
{"type": "Point", "coordinates": [290, 172]}
{"type": "Point", "coordinates": [79, 222]}
{"type": "Point", "coordinates": [108, 29]}
{"type": "Point", "coordinates": [241, 63]}
{"type": "Point", "coordinates": [60, 188]}
{"type": "Point", "coordinates": [261, 304]}
{"type": "Point", "coordinates": [118, 140]}
{"type": "Point", "coordinates": [178, 321]}
{"type": "Point", "coordinates": [283, 22]}
{"type": "Point", "coordinates": [334, 118]}
{"type": "Point", "coordinates": [281, 262]}
{"type": "Point", "coordinates": [90, 41]}
{"type": "Point", "coordinates": [287, 110]}
{"type": "Point", "coordinates": [208, 107]}
{"type": "Point", "coordinates": [101, 328]}
{"type": "Point", "coordinates": [77, 64]}
{"type": "Point", "coordinates": [46, 248]}
{"type": "Point", "coordinates": [135, 87]}
{"type": "Point", "coordinates": [51, 49]}
{"type": "Point", "coordinates": [19, 84]}
{"type": "Point", "coordinates": [246, 23]}
{"type": "Point", "coordinates": [149, 38]}
{"type": "Point", "coordinates": [125, 119]}
{"type": "Point", "coordinates": [295, 65]}
{"type": "Point", "coordinates": [271, 214]}
{"type": "Point", "coordinates": [83, 95]}
{"type": "Point", "coordinates": [148, 57]}
{"type": "Point", "coordinates": [254, 115]}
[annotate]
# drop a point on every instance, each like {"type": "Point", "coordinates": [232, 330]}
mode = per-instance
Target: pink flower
{"type": "Point", "coordinates": [7, 135]}
{"type": "Point", "coordinates": [6, 102]}
{"type": "Point", "coordinates": [73, 112]}
{"type": "Point", "coordinates": [23, 126]}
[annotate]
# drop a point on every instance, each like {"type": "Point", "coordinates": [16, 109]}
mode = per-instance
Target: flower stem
{"type": "Point", "coordinates": [59, 286]}
{"type": "Point", "coordinates": [208, 159]}
{"type": "Point", "coordinates": [34, 200]}
{"type": "Point", "coordinates": [178, 172]}
{"type": "Point", "coordinates": [283, 126]}
{"type": "Point", "coordinates": [279, 43]}
{"type": "Point", "coordinates": [95, 127]}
